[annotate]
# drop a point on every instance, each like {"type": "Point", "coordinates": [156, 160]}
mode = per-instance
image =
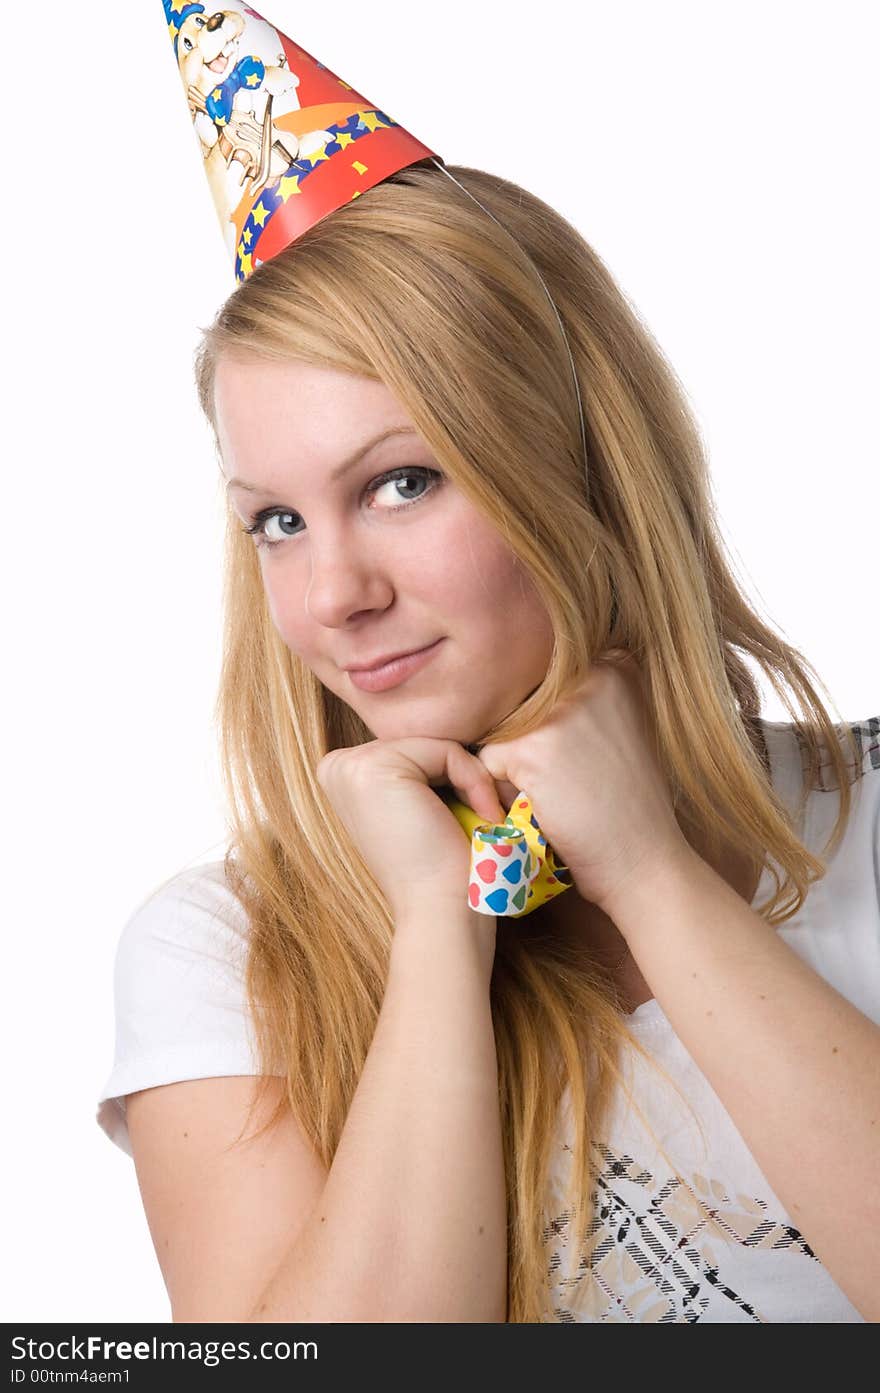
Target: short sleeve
{"type": "Point", "coordinates": [837, 930]}
{"type": "Point", "coordinates": [180, 1003]}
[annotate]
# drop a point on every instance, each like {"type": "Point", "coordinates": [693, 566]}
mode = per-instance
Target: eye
{"type": "Point", "coordinates": [415, 474]}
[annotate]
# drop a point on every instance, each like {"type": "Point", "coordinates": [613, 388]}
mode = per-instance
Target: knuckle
{"type": "Point", "coordinates": [361, 773]}
{"type": "Point", "coordinates": [325, 765]}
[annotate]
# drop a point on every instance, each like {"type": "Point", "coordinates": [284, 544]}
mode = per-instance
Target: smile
{"type": "Point", "coordinates": [380, 679]}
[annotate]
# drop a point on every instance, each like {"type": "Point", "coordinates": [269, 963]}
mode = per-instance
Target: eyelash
{"type": "Point", "coordinates": [258, 521]}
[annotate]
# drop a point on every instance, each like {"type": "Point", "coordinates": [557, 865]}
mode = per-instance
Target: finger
{"type": "Point", "coordinates": [507, 792]}
{"type": "Point", "coordinates": [476, 784]}
{"type": "Point", "coordinates": [448, 762]}
{"type": "Point", "coordinates": [494, 760]}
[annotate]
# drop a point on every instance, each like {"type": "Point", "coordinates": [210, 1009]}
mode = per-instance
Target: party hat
{"type": "Point", "coordinates": [283, 139]}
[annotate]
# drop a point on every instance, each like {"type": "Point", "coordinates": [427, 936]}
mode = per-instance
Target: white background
{"type": "Point", "coordinates": [721, 159]}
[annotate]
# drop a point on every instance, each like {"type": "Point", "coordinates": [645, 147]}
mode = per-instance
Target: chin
{"type": "Point", "coordinates": [436, 729]}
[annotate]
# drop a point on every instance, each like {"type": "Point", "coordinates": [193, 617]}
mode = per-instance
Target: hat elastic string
{"type": "Point", "coordinates": [552, 302]}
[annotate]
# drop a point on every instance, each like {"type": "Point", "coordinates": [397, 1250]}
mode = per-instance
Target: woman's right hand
{"type": "Point", "coordinates": [414, 846]}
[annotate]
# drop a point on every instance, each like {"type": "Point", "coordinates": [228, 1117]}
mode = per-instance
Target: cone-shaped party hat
{"type": "Point", "coordinates": [284, 140]}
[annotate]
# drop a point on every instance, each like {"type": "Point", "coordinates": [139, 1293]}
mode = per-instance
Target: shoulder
{"type": "Point", "coordinates": [192, 918]}
{"type": "Point", "coordinates": [859, 742]}
{"type": "Point", "coordinates": [867, 736]}
{"type": "Point", "coordinates": [179, 985]}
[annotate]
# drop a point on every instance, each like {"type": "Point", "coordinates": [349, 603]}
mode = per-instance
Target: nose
{"type": "Point", "coordinates": [214, 22]}
{"type": "Point", "coordinates": [345, 582]}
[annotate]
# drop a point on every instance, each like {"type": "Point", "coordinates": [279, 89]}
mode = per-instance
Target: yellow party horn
{"type": "Point", "coordinates": [513, 869]}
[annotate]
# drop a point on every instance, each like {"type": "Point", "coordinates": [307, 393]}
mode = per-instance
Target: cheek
{"type": "Point", "coordinates": [477, 578]}
{"type": "Point", "coordinates": [464, 569]}
{"type": "Point", "coordinates": [286, 608]}
{"type": "Point", "coordinates": [487, 564]}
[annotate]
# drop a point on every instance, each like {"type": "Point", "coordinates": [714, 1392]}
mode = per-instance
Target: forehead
{"type": "Point", "coordinates": [269, 412]}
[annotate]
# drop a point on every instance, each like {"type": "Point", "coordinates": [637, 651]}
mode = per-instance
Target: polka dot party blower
{"type": "Point", "coordinates": [513, 869]}
{"type": "Point", "coordinates": [284, 142]}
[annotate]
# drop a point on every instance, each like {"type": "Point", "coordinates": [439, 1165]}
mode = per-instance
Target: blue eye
{"type": "Point", "coordinates": [257, 527]}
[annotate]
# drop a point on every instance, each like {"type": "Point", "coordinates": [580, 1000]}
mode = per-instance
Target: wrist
{"type": "Point", "coordinates": [429, 928]}
{"type": "Point", "coordinates": [647, 884]}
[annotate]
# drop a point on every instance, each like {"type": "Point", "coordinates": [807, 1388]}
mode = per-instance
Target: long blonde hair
{"type": "Point", "coordinates": [415, 286]}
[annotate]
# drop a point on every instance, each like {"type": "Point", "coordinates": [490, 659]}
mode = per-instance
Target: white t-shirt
{"type": "Point", "coordinates": [720, 1247]}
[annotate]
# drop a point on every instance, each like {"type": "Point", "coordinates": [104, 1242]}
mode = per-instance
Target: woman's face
{"type": "Point", "coordinates": [354, 573]}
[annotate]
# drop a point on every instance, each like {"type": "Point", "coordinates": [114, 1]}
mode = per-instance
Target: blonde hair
{"type": "Point", "coordinates": [415, 286]}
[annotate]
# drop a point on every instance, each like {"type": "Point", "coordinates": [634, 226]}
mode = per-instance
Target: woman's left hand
{"type": "Point", "coordinates": [594, 780]}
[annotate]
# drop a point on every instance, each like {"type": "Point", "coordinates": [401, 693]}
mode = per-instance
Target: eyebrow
{"type": "Point", "coordinates": [340, 469]}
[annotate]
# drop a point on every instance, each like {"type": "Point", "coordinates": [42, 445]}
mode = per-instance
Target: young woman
{"type": "Point", "coordinates": [350, 1097]}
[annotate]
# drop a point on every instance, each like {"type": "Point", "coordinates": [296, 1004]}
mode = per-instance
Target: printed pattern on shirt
{"type": "Point", "coordinates": [867, 736]}
{"type": "Point", "coordinates": [655, 1261]}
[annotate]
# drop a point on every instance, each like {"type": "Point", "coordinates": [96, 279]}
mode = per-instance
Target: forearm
{"type": "Point", "coordinates": [795, 1064]}
{"type": "Point", "coordinates": [411, 1224]}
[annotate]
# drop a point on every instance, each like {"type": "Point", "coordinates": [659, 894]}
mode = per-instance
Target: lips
{"type": "Point", "coordinates": [389, 658]}
{"type": "Point", "coordinates": [394, 673]}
